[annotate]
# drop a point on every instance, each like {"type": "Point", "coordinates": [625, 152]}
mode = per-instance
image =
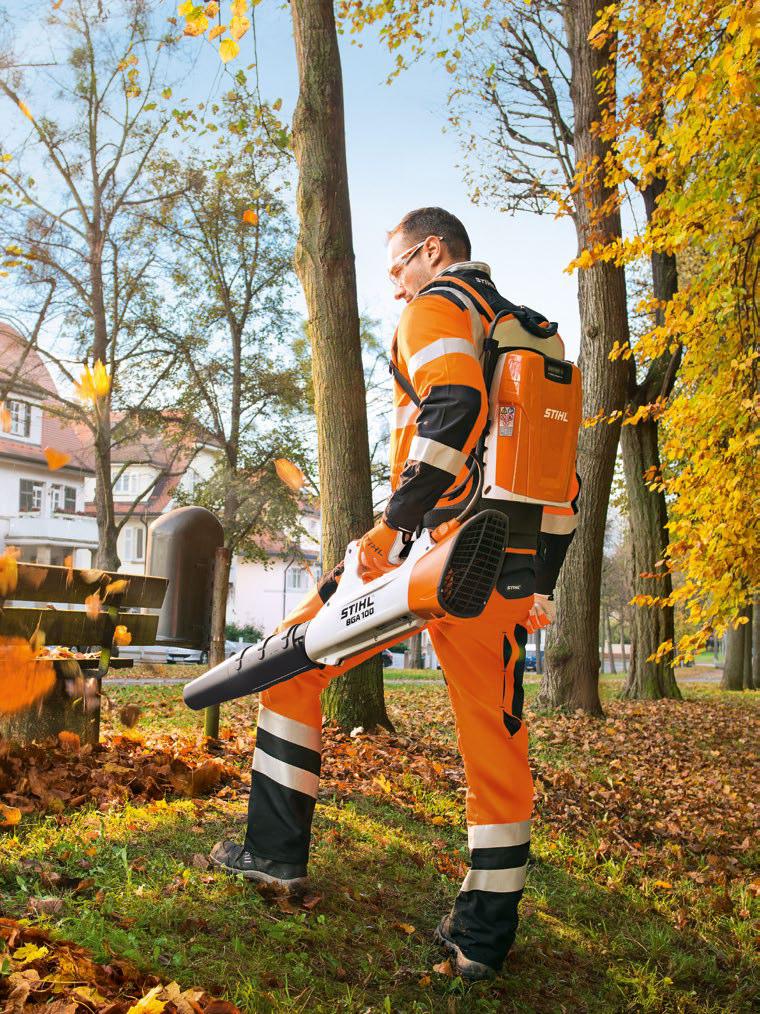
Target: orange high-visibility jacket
{"type": "Point", "coordinates": [436, 350]}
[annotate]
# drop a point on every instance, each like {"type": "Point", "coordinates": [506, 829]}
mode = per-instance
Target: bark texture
{"type": "Point", "coordinates": [748, 649]}
{"type": "Point", "coordinates": [756, 643]}
{"type": "Point", "coordinates": [652, 625]}
{"type": "Point", "coordinates": [733, 666]}
{"type": "Point", "coordinates": [571, 679]}
{"type": "Point", "coordinates": [325, 266]}
{"type": "Point", "coordinates": [219, 593]}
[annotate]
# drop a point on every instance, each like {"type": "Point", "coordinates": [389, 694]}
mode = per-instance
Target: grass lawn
{"type": "Point", "coordinates": [639, 897]}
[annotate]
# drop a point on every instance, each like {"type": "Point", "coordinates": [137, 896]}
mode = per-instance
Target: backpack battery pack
{"type": "Point", "coordinates": [534, 418]}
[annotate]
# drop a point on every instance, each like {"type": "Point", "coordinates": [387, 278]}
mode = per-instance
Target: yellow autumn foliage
{"type": "Point", "coordinates": [689, 120]}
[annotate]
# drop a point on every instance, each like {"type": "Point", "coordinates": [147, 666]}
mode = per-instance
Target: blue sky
{"type": "Point", "coordinates": [398, 159]}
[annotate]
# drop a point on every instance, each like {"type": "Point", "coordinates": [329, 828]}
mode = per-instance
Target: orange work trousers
{"type": "Point", "coordinates": [483, 662]}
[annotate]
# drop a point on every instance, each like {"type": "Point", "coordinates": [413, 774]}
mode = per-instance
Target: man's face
{"type": "Point", "coordinates": [412, 264]}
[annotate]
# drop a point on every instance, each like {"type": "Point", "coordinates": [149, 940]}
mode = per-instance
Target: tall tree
{"type": "Point", "coordinates": [686, 129]}
{"type": "Point", "coordinates": [70, 186]}
{"type": "Point", "coordinates": [226, 243]}
{"type": "Point", "coordinates": [325, 265]}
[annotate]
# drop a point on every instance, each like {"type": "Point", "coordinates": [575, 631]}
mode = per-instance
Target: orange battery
{"type": "Point", "coordinates": [535, 414]}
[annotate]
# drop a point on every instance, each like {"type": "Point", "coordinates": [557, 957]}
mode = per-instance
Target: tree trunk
{"type": "Point", "coordinates": [623, 652]}
{"type": "Point", "coordinates": [107, 557]}
{"type": "Point", "coordinates": [748, 645]}
{"type": "Point", "coordinates": [651, 625]}
{"type": "Point", "coordinates": [648, 508]}
{"type": "Point", "coordinates": [756, 643]}
{"type": "Point", "coordinates": [572, 657]}
{"type": "Point", "coordinates": [414, 653]}
{"type": "Point", "coordinates": [219, 594]}
{"type": "Point", "coordinates": [733, 666]}
{"type": "Point", "coordinates": [325, 266]}
{"type": "Point", "coordinates": [539, 652]}
{"type": "Point", "coordinates": [613, 667]}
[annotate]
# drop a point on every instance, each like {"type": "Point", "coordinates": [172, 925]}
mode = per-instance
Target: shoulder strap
{"type": "Point", "coordinates": [403, 383]}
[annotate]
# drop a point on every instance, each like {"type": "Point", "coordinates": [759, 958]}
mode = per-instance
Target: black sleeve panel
{"type": "Point", "coordinates": [449, 414]}
{"type": "Point", "coordinates": [420, 488]}
{"type": "Point", "coordinates": [552, 550]}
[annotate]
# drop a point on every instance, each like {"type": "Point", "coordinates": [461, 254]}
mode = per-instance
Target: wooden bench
{"type": "Point", "coordinates": [73, 703]}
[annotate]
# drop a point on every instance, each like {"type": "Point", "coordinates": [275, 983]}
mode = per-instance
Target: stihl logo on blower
{"type": "Point", "coordinates": [358, 610]}
{"type": "Point", "coordinates": [556, 413]}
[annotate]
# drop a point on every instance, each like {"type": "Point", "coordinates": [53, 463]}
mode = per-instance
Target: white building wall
{"type": "Point", "coordinates": [263, 596]}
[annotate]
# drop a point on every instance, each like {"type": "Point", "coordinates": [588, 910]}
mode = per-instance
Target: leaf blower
{"type": "Point", "coordinates": [450, 571]}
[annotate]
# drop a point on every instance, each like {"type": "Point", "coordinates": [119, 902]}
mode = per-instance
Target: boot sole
{"type": "Point", "coordinates": [473, 971]}
{"type": "Point", "coordinates": [293, 886]}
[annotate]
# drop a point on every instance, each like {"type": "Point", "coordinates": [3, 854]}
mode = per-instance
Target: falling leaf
{"type": "Point", "coordinates": [23, 678]}
{"type": "Point", "coordinates": [57, 4]}
{"type": "Point", "coordinates": [5, 419]}
{"type": "Point", "coordinates": [149, 1004]}
{"type": "Point", "coordinates": [290, 474]}
{"type": "Point", "coordinates": [9, 815]}
{"type": "Point", "coordinates": [122, 636]}
{"type": "Point", "coordinates": [239, 26]}
{"type": "Point", "coordinates": [55, 459]}
{"type": "Point", "coordinates": [228, 50]}
{"type": "Point", "coordinates": [239, 7]}
{"type": "Point", "coordinates": [116, 587]}
{"type": "Point", "coordinates": [9, 571]}
{"type": "Point", "coordinates": [68, 562]}
{"type": "Point", "coordinates": [91, 576]}
{"type": "Point", "coordinates": [94, 383]}
{"type": "Point", "coordinates": [92, 606]}
{"type": "Point", "coordinates": [211, 9]}
{"type": "Point", "coordinates": [250, 217]}
{"type": "Point", "coordinates": [25, 109]}
{"type": "Point", "coordinates": [216, 31]}
{"type": "Point", "coordinates": [129, 715]}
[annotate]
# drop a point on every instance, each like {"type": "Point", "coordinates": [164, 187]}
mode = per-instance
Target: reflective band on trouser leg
{"type": "Point", "coordinates": [499, 785]}
{"type": "Point", "coordinates": [284, 785]}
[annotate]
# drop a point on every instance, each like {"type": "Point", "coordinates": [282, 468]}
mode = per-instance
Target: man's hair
{"type": "Point", "coordinates": [423, 222]}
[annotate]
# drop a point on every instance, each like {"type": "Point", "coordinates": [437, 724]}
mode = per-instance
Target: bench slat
{"type": "Point", "coordinates": [40, 583]}
{"type": "Point", "coordinates": [68, 627]}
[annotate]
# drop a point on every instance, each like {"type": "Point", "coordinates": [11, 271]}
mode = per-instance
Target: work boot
{"type": "Point", "coordinates": [235, 858]}
{"type": "Point", "coordinates": [461, 965]}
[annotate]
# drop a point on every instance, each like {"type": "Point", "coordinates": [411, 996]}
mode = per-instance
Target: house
{"type": "Point", "coordinates": [41, 511]}
{"type": "Point", "coordinates": [50, 515]}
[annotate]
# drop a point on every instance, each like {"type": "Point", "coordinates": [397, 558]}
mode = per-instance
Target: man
{"type": "Point", "coordinates": [440, 410]}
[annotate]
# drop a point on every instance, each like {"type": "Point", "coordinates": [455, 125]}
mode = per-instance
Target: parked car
{"type": "Point", "coordinates": [187, 656]}
{"type": "Point", "coordinates": [530, 663]}
{"type": "Point", "coordinates": [387, 658]}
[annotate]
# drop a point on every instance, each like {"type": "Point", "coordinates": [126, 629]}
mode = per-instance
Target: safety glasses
{"type": "Point", "coordinates": [404, 258]}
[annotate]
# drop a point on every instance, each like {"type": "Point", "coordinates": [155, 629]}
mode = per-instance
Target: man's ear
{"type": "Point", "coordinates": [435, 250]}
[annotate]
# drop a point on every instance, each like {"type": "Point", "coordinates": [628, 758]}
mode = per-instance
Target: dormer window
{"type": "Point", "coordinates": [21, 418]}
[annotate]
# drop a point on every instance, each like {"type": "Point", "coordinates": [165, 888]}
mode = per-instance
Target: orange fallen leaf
{"type": "Point", "coordinates": [25, 109]}
{"type": "Point", "coordinates": [5, 419]}
{"type": "Point", "coordinates": [250, 217]}
{"type": "Point", "coordinates": [9, 815]}
{"type": "Point", "coordinates": [55, 459]}
{"type": "Point", "coordinates": [92, 606]}
{"type": "Point", "coordinates": [444, 968]}
{"type": "Point", "coordinates": [406, 927]}
{"type": "Point", "coordinates": [68, 562]}
{"type": "Point", "coordinates": [69, 741]}
{"type": "Point", "coordinates": [289, 473]}
{"type": "Point", "coordinates": [23, 678]}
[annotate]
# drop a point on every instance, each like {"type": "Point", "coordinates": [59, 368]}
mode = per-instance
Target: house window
{"type": "Point", "coordinates": [296, 579]}
{"type": "Point", "coordinates": [21, 418]}
{"type": "Point", "coordinates": [30, 496]}
{"type": "Point", "coordinates": [130, 483]}
{"type": "Point", "coordinates": [134, 544]}
{"type": "Point", "coordinates": [63, 499]}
